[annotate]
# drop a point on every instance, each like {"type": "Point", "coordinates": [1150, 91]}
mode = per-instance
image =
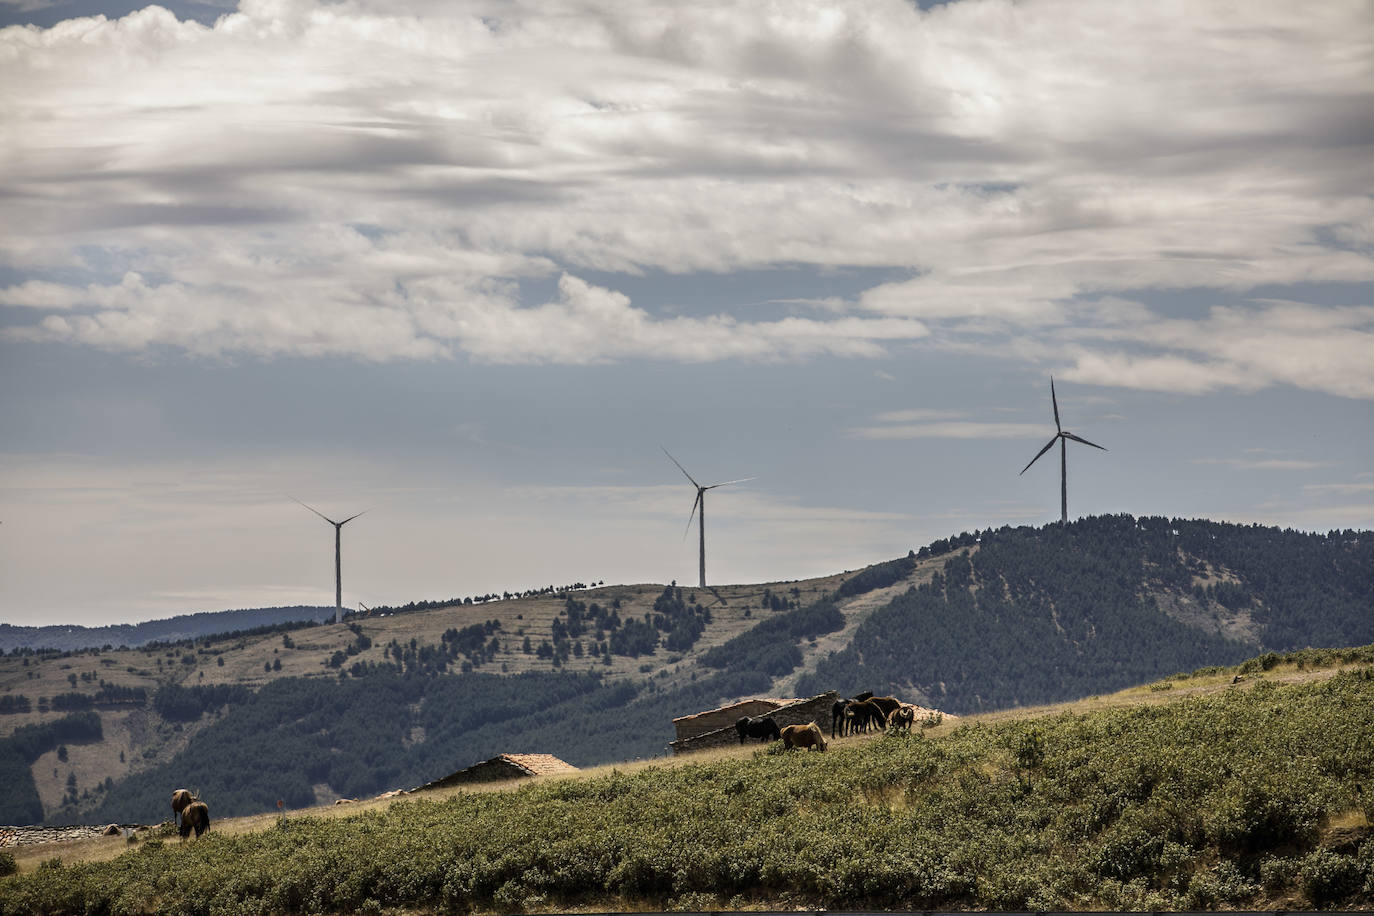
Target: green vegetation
{"type": "Point", "coordinates": [1043, 615]}
{"type": "Point", "coordinates": [1251, 797]}
{"type": "Point", "coordinates": [770, 647]}
{"type": "Point", "coordinates": [880, 575]}
{"type": "Point", "coordinates": [363, 736]}
{"type": "Point", "coordinates": [20, 804]}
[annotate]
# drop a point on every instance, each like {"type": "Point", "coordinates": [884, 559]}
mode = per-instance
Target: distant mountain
{"type": "Point", "coordinates": [187, 626]}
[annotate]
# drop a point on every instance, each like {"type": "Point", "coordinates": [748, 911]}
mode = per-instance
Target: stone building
{"type": "Point", "coordinates": [716, 727]}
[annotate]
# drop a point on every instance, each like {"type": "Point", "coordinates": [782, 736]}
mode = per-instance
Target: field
{"type": "Point", "coordinates": [1238, 788]}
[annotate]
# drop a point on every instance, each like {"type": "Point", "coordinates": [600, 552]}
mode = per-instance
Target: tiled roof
{"type": "Point", "coordinates": [539, 764]}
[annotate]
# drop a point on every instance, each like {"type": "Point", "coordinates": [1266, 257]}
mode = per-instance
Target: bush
{"type": "Point", "coordinates": [1328, 877]}
{"type": "Point", "coordinates": [7, 864]}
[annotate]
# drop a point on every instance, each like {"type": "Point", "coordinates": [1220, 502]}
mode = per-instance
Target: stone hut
{"type": "Point", "coordinates": [716, 727]}
{"type": "Point", "coordinates": [503, 767]}
{"type": "Point", "coordinates": [700, 723]}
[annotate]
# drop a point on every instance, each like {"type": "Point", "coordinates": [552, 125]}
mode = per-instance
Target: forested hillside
{"type": "Point", "coordinates": [308, 741]}
{"type": "Point", "coordinates": [1034, 615]}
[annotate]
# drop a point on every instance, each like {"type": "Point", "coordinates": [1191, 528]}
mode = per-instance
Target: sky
{"type": "Point", "coordinates": [470, 268]}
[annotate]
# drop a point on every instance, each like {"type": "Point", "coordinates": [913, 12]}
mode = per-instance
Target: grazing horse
{"type": "Point", "coordinates": [181, 798]}
{"type": "Point", "coordinates": [808, 736]}
{"type": "Point", "coordinates": [900, 719]}
{"type": "Point", "coordinates": [195, 816]}
{"type": "Point", "coordinates": [859, 717]}
{"type": "Point", "coordinates": [762, 728]}
{"type": "Point", "coordinates": [886, 704]}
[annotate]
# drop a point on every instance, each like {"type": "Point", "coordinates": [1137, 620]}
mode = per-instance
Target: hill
{"type": "Point", "coordinates": [981, 621]}
{"type": "Point", "coordinates": [173, 629]}
{"type": "Point", "coordinates": [1192, 794]}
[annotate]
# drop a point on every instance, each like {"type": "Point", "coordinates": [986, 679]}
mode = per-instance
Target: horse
{"type": "Point", "coordinates": [837, 716]}
{"type": "Point", "coordinates": [195, 816]}
{"type": "Point", "coordinates": [180, 799]}
{"type": "Point", "coordinates": [838, 720]}
{"type": "Point", "coordinates": [859, 716]}
{"type": "Point", "coordinates": [807, 736]}
{"type": "Point", "coordinates": [900, 719]}
{"type": "Point", "coordinates": [886, 704]}
{"type": "Point", "coordinates": [762, 728]}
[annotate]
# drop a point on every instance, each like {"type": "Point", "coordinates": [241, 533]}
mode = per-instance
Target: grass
{"type": "Point", "coordinates": [1208, 795]}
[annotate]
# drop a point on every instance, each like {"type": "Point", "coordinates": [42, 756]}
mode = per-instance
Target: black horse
{"type": "Point", "coordinates": [838, 720]}
{"type": "Point", "coordinates": [761, 727]}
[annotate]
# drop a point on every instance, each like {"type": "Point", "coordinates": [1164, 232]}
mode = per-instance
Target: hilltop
{"type": "Point", "coordinates": [1228, 788]}
{"type": "Point", "coordinates": [985, 620]}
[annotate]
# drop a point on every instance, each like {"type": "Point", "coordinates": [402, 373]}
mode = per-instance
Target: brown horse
{"type": "Point", "coordinates": [195, 816]}
{"type": "Point", "coordinates": [181, 798]}
{"type": "Point", "coordinates": [808, 736]}
{"type": "Point", "coordinates": [886, 704]}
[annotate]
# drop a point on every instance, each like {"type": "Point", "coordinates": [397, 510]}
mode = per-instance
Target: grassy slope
{"type": "Point", "coordinates": [1192, 793]}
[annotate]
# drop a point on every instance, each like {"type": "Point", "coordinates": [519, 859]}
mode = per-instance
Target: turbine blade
{"type": "Point", "coordinates": [316, 511]}
{"type": "Point", "coordinates": [690, 515]}
{"type": "Point", "coordinates": [352, 517]}
{"type": "Point", "coordinates": [1055, 401]}
{"type": "Point", "coordinates": [728, 482]}
{"type": "Point", "coordinates": [679, 466]}
{"type": "Point", "coordinates": [1084, 441]}
{"type": "Point", "coordinates": [1048, 446]}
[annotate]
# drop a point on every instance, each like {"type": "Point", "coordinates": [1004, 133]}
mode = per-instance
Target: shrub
{"type": "Point", "coordinates": [1327, 877]}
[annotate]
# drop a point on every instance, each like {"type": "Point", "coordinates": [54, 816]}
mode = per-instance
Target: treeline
{"type": "Point", "coordinates": [1056, 613]}
{"type": "Point", "coordinates": [544, 591]}
{"type": "Point", "coordinates": [364, 736]}
{"type": "Point", "coordinates": [20, 803]}
{"type": "Point", "coordinates": [771, 647]}
{"type": "Point", "coordinates": [176, 703]}
{"type": "Point", "coordinates": [880, 575]}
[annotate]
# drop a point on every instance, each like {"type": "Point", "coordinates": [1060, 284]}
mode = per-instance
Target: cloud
{"type": "Point", "coordinates": [941, 424]}
{"type": "Point", "coordinates": [1264, 464]}
{"type": "Point", "coordinates": [1026, 184]}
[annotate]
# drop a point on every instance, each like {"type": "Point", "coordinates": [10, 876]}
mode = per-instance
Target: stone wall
{"type": "Point", "coordinates": [815, 709]}
{"type": "Point", "coordinates": [704, 722]}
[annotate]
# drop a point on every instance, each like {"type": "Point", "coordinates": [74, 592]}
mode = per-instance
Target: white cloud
{"type": "Point", "coordinates": [927, 423]}
{"type": "Point", "coordinates": [1026, 162]}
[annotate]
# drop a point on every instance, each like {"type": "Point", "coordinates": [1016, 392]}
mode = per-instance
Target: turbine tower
{"type": "Point", "coordinates": [699, 510]}
{"type": "Point", "coordinates": [1062, 436]}
{"type": "Point", "coordinates": [338, 561]}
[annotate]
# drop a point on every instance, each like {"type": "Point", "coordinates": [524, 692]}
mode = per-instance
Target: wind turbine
{"type": "Point", "coordinates": [1061, 436]}
{"type": "Point", "coordinates": [699, 510]}
{"type": "Point", "coordinates": [338, 562]}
